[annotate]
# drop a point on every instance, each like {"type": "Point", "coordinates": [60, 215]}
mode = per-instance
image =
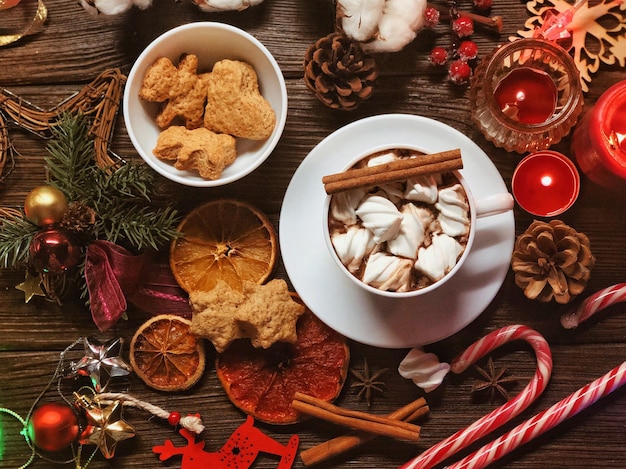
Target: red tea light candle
{"type": "Point", "coordinates": [546, 183]}
{"type": "Point", "coordinates": [599, 140]}
{"type": "Point", "coordinates": [5, 4]}
{"type": "Point", "coordinates": [527, 95]}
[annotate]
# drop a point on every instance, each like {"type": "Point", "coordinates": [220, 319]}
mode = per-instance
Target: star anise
{"type": "Point", "coordinates": [367, 382]}
{"type": "Point", "coordinates": [494, 381]}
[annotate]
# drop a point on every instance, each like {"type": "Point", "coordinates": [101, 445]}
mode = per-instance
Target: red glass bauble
{"type": "Point", "coordinates": [53, 427]}
{"type": "Point", "coordinates": [52, 251]}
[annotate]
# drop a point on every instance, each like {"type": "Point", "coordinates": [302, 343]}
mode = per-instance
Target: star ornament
{"type": "Point", "coordinates": [105, 426]}
{"type": "Point", "coordinates": [31, 286]}
{"type": "Point", "coordinates": [101, 362]}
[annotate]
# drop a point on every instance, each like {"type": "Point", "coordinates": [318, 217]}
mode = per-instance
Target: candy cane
{"type": "Point", "coordinates": [498, 417]}
{"type": "Point", "coordinates": [544, 421]}
{"type": "Point", "coordinates": [594, 303]}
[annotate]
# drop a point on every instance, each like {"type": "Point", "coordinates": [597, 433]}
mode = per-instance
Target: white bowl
{"type": "Point", "coordinates": [210, 42]}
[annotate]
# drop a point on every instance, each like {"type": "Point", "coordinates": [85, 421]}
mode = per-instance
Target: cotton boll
{"type": "Point", "coordinates": [226, 5]}
{"type": "Point", "coordinates": [113, 7]}
{"type": "Point", "coordinates": [359, 18]}
{"type": "Point", "coordinates": [398, 26]}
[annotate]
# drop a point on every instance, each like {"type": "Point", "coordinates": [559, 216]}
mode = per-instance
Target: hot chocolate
{"type": "Point", "coordinates": [400, 236]}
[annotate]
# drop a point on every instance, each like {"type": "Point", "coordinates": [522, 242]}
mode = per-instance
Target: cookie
{"type": "Point", "coordinates": [265, 314]}
{"type": "Point", "coordinates": [197, 149]}
{"type": "Point", "coordinates": [181, 90]}
{"type": "Point", "coordinates": [234, 103]}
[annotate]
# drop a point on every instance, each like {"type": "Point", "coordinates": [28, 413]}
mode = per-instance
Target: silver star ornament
{"type": "Point", "coordinates": [101, 362]}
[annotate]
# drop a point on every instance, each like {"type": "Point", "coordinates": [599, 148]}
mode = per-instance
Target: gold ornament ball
{"type": "Point", "coordinates": [45, 205]}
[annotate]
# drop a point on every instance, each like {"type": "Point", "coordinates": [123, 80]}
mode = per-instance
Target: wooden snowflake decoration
{"type": "Point", "coordinates": [596, 34]}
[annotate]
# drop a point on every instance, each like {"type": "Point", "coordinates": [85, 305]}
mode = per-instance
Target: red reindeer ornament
{"type": "Point", "coordinates": [239, 452]}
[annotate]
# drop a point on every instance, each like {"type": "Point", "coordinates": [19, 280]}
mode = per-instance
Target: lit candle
{"type": "Point", "coordinates": [527, 95]}
{"type": "Point", "coordinates": [546, 183]}
{"type": "Point", "coordinates": [4, 4]}
{"type": "Point", "coordinates": [599, 140]}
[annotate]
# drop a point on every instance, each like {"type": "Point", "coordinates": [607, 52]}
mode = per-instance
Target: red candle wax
{"type": "Point", "coordinates": [546, 183]}
{"type": "Point", "coordinates": [599, 140]}
{"type": "Point", "coordinates": [527, 95]}
{"type": "Point", "coordinates": [5, 4]}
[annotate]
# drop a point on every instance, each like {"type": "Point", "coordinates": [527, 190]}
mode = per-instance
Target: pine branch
{"type": "Point", "coordinates": [70, 164]}
{"type": "Point", "coordinates": [120, 197]}
{"type": "Point", "coordinates": [141, 227]}
{"type": "Point", "coordinates": [15, 236]}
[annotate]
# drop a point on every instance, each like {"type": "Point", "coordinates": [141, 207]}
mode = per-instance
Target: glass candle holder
{"type": "Point", "coordinates": [599, 140]}
{"type": "Point", "coordinates": [526, 95]}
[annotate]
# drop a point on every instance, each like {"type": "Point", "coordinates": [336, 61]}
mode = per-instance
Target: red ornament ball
{"type": "Point", "coordinates": [52, 251]}
{"type": "Point", "coordinates": [53, 427]}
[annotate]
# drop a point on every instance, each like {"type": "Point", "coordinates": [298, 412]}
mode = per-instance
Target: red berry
{"type": "Point", "coordinates": [438, 56]}
{"type": "Point", "coordinates": [174, 418]}
{"type": "Point", "coordinates": [483, 4]}
{"type": "Point", "coordinates": [459, 72]}
{"type": "Point", "coordinates": [468, 50]}
{"type": "Point", "coordinates": [463, 26]}
{"type": "Point", "coordinates": [431, 15]}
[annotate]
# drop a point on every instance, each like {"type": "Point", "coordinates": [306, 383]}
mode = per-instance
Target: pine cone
{"type": "Point", "coordinates": [338, 71]}
{"type": "Point", "coordinates": [552, 261]}
{"type": "Point", "coordinates": [80, 219]}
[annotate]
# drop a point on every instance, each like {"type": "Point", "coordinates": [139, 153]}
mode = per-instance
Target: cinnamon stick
{"type": "Point", "coordinates": [343, 443]}
{"type": "Point", "coordinates": [353, 419]}
{"type": "Point", "coordinates": [395, 171]}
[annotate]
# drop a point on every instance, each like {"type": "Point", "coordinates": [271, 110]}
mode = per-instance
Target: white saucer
{"type": "Point", "coordinates": [337, 300]}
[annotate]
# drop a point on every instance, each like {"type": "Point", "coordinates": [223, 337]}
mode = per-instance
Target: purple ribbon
{"type": "Point", "coordinates": [114, 274]}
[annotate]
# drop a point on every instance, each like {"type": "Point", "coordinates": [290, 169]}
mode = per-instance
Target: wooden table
{"type": "Point", "coordinates": [74, 47]}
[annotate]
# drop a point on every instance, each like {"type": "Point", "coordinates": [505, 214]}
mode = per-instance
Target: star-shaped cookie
{"type": "Point", "coordinates": [265, 314]}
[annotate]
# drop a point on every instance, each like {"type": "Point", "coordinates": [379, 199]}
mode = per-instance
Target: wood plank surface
{"type": "Point", "coordinates": [74, 47]}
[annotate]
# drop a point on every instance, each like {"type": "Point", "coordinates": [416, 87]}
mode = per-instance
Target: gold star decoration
{"type": "Point", "coordinates": [493, 381]}
{"type": "Point", "coordinates": [105, 426]}
{"type": "Point", "coordinates": [368, 383]}
{"type": "Point", "coordinates": [31, 286]}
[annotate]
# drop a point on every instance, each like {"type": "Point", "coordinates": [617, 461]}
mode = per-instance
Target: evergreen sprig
{"type": "Point", "coordinates": [120, 196]}
{"type": "Point", "coordinates": [16, 235]}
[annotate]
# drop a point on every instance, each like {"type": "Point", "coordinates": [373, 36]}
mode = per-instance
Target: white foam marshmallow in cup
{"type": "Point", "coordinates": [478, 208]}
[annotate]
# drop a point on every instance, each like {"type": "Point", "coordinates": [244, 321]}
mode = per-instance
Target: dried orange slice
{"type": "Point", "coordinates": [227, 240]}
{"type": "Point", "coordinates": [165, 355]}
{"type": "Point", "coordinates": [263, 382]}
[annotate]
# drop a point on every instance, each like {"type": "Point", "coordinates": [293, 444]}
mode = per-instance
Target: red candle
{"type": "Point", "coordinates": [527, 95]}
{"type": "Point", "coordinates": [599, 140]}
{"type": "Point", "coordinates": [545, 183]}
{"type": "Point", "coordinates": [4, 4]}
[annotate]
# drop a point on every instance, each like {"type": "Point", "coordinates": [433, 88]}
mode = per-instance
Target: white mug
{"type": "Point", "coordinates": [478, 208]}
